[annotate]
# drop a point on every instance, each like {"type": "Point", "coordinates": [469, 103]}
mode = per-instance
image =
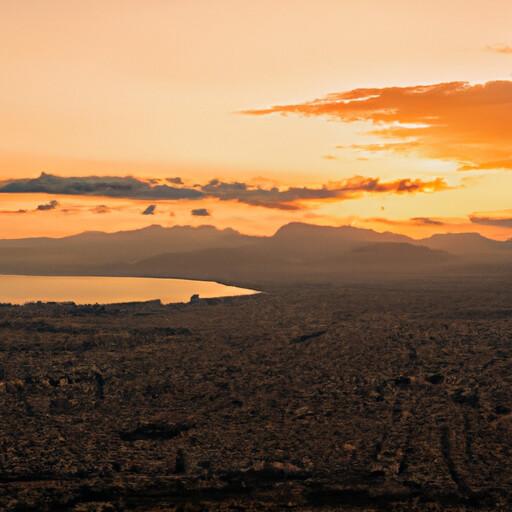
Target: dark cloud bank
{"type": "Point", "coordinates": [284, 199]}
{"type": "Point", "coordinates": [117, 187]}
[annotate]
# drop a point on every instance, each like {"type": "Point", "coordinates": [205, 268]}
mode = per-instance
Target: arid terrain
{"type": "Point", "coordinates": [255, 256]}
{"type": "Point", "coordinates": [376, 396]}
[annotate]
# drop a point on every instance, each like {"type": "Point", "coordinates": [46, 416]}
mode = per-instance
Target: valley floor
{"type": "Point", "coordinates": [373, 397]}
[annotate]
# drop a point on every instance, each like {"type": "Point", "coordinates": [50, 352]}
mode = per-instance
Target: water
{"type": "Point", "coordinates": [108, 290]}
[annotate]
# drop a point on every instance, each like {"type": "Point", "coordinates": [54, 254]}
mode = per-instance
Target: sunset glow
{"type": "Point", "coordinates": [117, 115]}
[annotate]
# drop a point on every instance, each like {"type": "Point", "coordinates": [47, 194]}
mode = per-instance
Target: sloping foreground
{"type": "Point", "coordinates": [371, 398]}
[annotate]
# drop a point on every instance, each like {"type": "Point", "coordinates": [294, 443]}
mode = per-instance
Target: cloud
{"type": "Point", "coordinates": [200, 212]}
{"type": "Point", "coordinates": [470, 124]}
{"type": "Point", "coordinates": [175, 181]}
{"type": "Point", "coordinates": [415, 221]}
{"type": "Point", "coordinates": [52, 205]}
{"type": "Point", "coordinates": [500, 48]}
{"type": "Point", "coordinates": [427, 221]}
{"type": "Point", "coordinates": [150, 210]}
{"type": "Point", "coordinates": [291, 198]}
{"type": "Point", "coordinates": [398, 147]}
{"type": "Point", "coordinates": [117, 187]}
{"type": "Point", "coordinates": [496, 165]}
{"type": "Point", "coordinates": [503, 222]}
{"type": "Point", "coordinates": [13, 212]}
{"type": "Point", "coordinates": [101, 209]}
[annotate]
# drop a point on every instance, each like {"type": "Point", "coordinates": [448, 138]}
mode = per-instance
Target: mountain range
{"type": "Point", "coordinates": [297, 251]}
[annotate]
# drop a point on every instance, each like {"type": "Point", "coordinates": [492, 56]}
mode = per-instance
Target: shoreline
{"type": "Point", "coordinates": [142, 301]}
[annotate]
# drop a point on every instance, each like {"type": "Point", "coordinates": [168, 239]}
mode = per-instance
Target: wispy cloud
{"type": "Point", "coordinates": [500, 48]}
{"type": "Point", "coordinates": [101, 209]}
{"type": "Point", "coordinates": [501, 219]}
{"type": "Point", "coordinates": [427, 221]}
{"type": "Point", "coordinates": [488, 166]}
{"type": "Point", "coordinates": [13, 212]}
{"type": "Point", "coordinates": [415, 221]}
{"type": "Point", "coordinates": [470, 124]}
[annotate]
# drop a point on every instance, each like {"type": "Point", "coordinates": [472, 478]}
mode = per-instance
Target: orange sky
{"type": "Point", "coordinates": [162, 89]}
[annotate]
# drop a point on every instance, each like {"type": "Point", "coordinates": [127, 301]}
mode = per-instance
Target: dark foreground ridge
{"type": "Point", "coordinates": [369, 398]}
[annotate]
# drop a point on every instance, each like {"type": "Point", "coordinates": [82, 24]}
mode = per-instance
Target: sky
{"type": "Point", "coordinates": [391, 115]}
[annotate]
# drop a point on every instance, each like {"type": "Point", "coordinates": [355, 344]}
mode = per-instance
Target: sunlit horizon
{"type": "Point", "coordinates": [251, 116]}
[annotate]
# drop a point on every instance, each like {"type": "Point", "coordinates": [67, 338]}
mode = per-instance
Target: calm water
{"type": "Point", "coordinates": [108, 290]}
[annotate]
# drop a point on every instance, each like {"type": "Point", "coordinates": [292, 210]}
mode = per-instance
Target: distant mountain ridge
{"type": "Point", "coordinates": [96, 248]}
{"type": "Point", "coordinates": [295, 251]}
{"type": "Point", "coordinates": [465, 244]}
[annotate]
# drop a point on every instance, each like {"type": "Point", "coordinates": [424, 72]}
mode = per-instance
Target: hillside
{"type": "Point", "coordinates": [296, 252]}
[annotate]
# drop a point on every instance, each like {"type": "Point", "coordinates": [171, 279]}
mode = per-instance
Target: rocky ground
{"type": "Point", "coordinates": [391, 397]}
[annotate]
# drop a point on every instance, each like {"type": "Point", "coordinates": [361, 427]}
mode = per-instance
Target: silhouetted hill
{"type": "Point", "coordinates": [229, 265]}
{"type": "Point", "coordinates": [296, 234]}
{"type": "Point", "coordinates": [398, 255]}
{"type": "Point", "coordinates": [98, 248]}
{"type": "Point", "coordinates": [299, 231]}
{"type": "Point", "coordinates": [259, 263]}
{"type": "Point", "coordinates": [297, 251]}
{"type": "Point", "coordinates": [466, 244]}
